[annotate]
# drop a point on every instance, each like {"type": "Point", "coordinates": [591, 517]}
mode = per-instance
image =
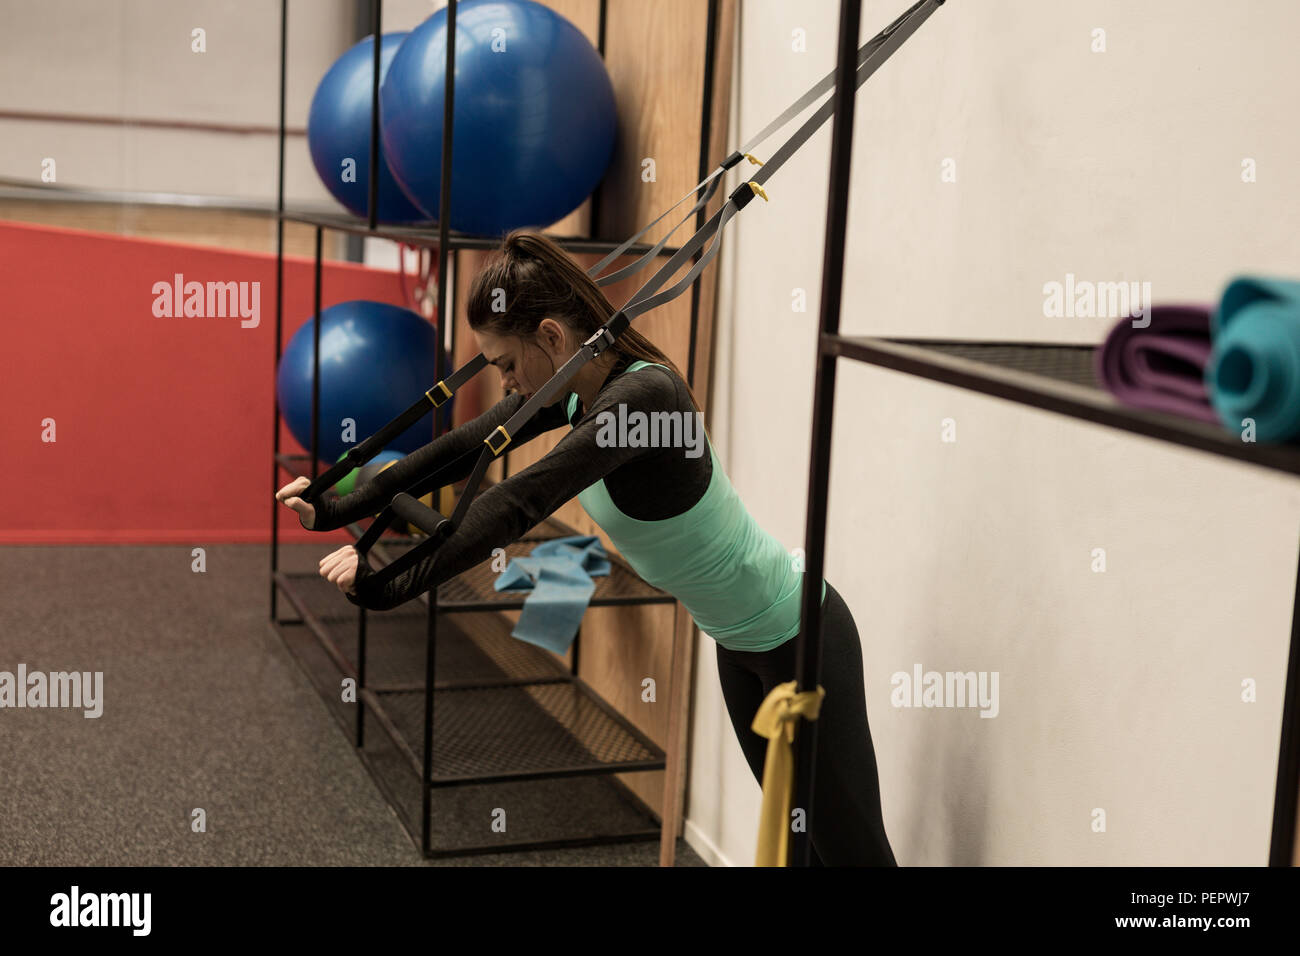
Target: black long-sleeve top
{"type": "Point", "coordinates": [646, 483]}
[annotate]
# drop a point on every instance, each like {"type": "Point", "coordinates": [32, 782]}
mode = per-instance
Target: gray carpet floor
{"type": "Point", "coordinates": [205, 709]}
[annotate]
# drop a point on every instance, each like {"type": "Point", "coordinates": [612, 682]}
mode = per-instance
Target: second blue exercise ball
{"type": "Point", "coordinates": [338, 133]}
{"type": "Point", "coordinates": [376, 360]}
{"type": "Point", "coordinates": [535, 117]}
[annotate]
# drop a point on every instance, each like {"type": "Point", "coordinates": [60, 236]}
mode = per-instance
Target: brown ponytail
{"type": "Point", "coordinates": [531, 278]}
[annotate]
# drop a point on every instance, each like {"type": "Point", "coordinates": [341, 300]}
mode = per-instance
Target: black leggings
{"type": "Point", "coordinates": [846, 823]}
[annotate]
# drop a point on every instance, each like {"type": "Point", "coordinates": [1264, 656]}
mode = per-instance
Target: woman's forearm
{"type": "Point", "coordinates": [444, 461]}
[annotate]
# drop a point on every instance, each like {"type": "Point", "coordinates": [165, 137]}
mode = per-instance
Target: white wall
{"type": "Point", "coordinates": [1122, 690]}
{"type": "Point", "coordinates": [133, 59]}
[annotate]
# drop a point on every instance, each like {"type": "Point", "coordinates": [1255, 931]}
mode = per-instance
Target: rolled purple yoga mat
{"type": "Point", "coordinates": [1161, 366]}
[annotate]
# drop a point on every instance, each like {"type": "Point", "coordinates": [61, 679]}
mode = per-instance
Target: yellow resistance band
{"type": "Point", "coordinates": [776, 720]}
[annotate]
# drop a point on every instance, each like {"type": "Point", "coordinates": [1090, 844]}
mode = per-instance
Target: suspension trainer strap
{"type": "Point", "coordinates": [361, 453]}
{"type": "Point", "coordinates": [645, 299]}
{"type": "Point", "coordinates": [652, 253]}
{"type": "Point", "coordinates": [744, 152]}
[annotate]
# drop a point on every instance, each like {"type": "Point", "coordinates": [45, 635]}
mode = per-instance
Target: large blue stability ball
{"type": "Point", "coordinates": [338, 130]}
{"type": "Point", "coordinates": [535, 118]}
{"type": "Point", "coordinates": [376, 360]}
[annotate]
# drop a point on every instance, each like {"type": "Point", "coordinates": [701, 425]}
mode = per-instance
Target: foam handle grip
{"type": "Point", "coordinates": [431, 522]}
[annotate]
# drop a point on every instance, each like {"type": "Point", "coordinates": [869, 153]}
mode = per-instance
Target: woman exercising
{"type": "Point", "coordinates": [674, 517]}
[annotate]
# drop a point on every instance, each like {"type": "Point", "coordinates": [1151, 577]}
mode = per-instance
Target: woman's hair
{"type": "Point", "coordinates": [530, 279]}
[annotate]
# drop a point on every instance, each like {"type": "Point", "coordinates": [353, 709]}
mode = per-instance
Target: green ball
{"type": "Point", "coordinates": [348, 483]}
{"type": "Point", "coordinates": [366, 473]}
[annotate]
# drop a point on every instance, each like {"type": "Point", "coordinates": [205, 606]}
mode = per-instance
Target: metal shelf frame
{"type": "Point", "coordinates": [430, 237]}
{"type": "Point", "coordinates": [1055, 378]}
{"type": "Point", "coordinates": [370, 697]}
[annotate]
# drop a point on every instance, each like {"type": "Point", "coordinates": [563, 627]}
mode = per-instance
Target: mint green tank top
{"type": "Point", "coordinates": [736, 580]}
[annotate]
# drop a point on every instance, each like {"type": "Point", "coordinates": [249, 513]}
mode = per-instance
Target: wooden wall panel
{"type": "Point", "coordinates": [655, 56]}
{"type": "Point", "coordinates": [718, 149]}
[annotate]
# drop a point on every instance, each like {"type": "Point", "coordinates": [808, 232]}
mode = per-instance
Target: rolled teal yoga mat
{"type": "Point", "coordinates": [559, 572]}
{"type": "Point", "coordinates": [1254, 369]}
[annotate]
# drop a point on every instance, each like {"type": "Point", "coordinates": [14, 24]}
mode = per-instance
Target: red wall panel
{"type": "Point", "coordinates": [163, 425]}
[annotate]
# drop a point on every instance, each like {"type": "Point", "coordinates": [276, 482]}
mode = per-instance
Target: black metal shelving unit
{"type": "Point", "coordinates": [485, 713]}
{"type": "Point", "coordinates": [1057, 378]}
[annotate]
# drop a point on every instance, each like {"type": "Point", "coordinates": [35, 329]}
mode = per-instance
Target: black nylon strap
{"type": "Point", "coordinates": [822, 85]}
{"type": "Point", "coordinates": [652, 253]}
{"type": "Point", "coordinates": [891, 42]}
{"type": "Point", "coordinates": [362, 452]}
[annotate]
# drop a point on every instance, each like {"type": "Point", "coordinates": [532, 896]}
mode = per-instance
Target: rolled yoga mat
{"type": "Point", "coordinates": [1254, 371]}
{"type": "Point", "coordinates": [1161, 366]}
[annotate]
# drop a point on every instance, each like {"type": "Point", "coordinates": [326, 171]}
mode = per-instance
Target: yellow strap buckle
{"type": "Point", "coordinates": [752, 159]}
{"type": "Point", "coordinates": [758, 190]}
{"type": "Point", "coordinates": [446, 394]}
{"type": "Point", "coordinates": [496, 450]}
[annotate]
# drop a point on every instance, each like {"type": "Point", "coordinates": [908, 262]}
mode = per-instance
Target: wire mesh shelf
{"type": "Point", "coordinates": [484, 734]}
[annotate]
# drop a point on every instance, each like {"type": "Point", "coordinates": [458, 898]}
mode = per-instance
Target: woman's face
{"type": "Point", "coordinates": [524, 366]}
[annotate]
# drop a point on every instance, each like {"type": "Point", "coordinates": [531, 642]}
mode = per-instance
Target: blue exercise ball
{"type": "Point", "coordinates": [535, 118]}
{"type": "Point", "coordinates": [338, 133]}
{"type": "Point", "coordinates": [376, 360]}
